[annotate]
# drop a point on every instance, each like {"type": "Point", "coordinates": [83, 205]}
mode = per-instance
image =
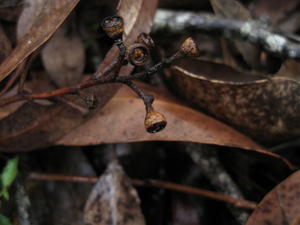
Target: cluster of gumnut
{"type": "Point", "coordinates": [138, 54]}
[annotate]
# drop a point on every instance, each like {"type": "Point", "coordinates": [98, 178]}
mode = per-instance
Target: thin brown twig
{"type": "Point", "coordinates": [151, 183]}
{"type": "Point", "coordinates": [115, 66]}
{"type": "Point", "coordinates": [74, 89]}
{"type": "Point", "coordinates": [148, 99]}
{"type": "Point", "coordinates": [14, 77]}
{"type": "Point", "coordinates": [24, 73]}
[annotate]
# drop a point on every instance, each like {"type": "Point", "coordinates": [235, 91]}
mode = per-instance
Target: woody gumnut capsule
{"type": "Point", "coordinates": [155, 121]}
{"type": "Point", "coordinates": [189, 48]}
{"type": "Point", "coordinates": [145, 39]}
{"type": "Point", "coordinates": [113, 27]}
{"type": "Point", "coordinates": [138, 54]}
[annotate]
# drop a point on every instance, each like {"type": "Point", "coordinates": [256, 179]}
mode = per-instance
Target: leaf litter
{"type": "Point", "coordinates": [18, 136]}
{"type": "Point", "coordinates": [35, 124]}
{"type": "Point", "coordinates": [113, 200]}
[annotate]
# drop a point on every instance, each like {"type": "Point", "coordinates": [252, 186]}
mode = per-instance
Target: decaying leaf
{"type": "Point", "coordinates": [280, 13]}
{"type": "Point", "coordinates": [290, 69]}
{"type": "Point", "coordinates": [121, 120]}
{"type": "Point", "coordinates": [230, 9]}
{"type": "Point", "coordinates": [64, 57]}
{"type": "Point", "coordinates": [265, 109]}
{"type": "Point", "coordinates": [51, 16]}
{"type": "Point", "coordinates": [281, 206]}
{"type": "Point", "coordinates": [59, 202]}
{"type": "Point", "coordinates": [276, 10]}
{"type": "Point", "coordinates": [10, 10]}
{"type": "Point", "coordinates": [29, 127]}
{"type": "Point", "coordinates": [5, 44]}
{"type": "Point", "coordinates": [186, 211]}
{"type": "Point", "coordinates": [113, 200]}
{"type": "Point", "coordinates": [233, 9]}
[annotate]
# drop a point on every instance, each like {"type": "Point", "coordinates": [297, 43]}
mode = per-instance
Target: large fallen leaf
{"type": "Point", "coordinates": [266, 109]}
{"type": "Point", "coordinates": [51, 16]}
{"type": "Point", "coordinates": [121, 120]}
{"type": "Point", "coordinates": [113, 200]}
{"type": "Point", "coordinates": [29, 127]}
{"type": "Point", "coordinates": [281, 206]}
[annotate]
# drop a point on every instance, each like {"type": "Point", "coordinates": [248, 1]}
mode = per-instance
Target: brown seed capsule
{"type": "Point", "coordinates": [113, 26]}
{"type": "Point", "coordinates": [190, 48]}
{"type": "Point", "coordinates": [138, 54]}
{"type": "Point", "coordinates": [155, 121]}
{"type": "Point", "coordinates": [145, 39]}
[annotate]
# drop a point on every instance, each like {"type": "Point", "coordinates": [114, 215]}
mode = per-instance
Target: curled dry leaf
{"type": "Point", "coordinates": [49, 18]}
{"type": "Point", "coordinates": [265, 109]}
{"type": "Point", "coordinates": [64, 57]}
{"type": "Point", "coordinates": [281, 206]}
{"type": "Point", "coordinates": [121, 121]}
{"type": "Point", "coordinates": [28, 127]}
{"type": "Point", "coordinates": [113, 200]}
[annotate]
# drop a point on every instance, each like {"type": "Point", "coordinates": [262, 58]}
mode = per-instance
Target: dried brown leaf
{"type": "Point", "coordinates": [121, 120]}
{"type": "Point", "coordinates": [64, 57]}
{"type": "Point", "coordinates": [230, 9]}
{"type": "Point", "coordinates": [265, 109]}
{"type": "Point", "coordinates": [281, 206]}
{"type": "Point", "coordinates": [290, 69]}
{"type": "Point", "coordinates": [60, 203]}
{"type": "Point", "coordinates": [10, 10]}
{"type": "Point", "coordinates": [29, 127]}
{"type": "Point", "coordinates": [5, 45]}
{"type": "Point", "coordinates": [233, 9]}
{"type": "Point", "coordinates": [48, 19]}
{"type": "Point", "coordinates": [113, 200]}
{"type": "Point", "coordinates": [275, 10]}
{"type": "Point", "coordinates": [187, 211]}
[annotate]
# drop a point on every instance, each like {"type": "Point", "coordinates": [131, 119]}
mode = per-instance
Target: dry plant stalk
{"type": "Point", "coordinates": [138, 55]}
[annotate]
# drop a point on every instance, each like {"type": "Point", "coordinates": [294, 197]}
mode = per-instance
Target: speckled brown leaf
{"type": "Point", "coordinates": [44, 24]}
{"type": "Point", "coordinates": [281, 206]}
{"type": "Point", "coordinates": [233, 9]}
{"type": "Point", "coordinates": [64, 57]}
{"type": "Point", "coordinates": [113, 200]}
{"type": "Point", "coordinates": [121, 120]}
{"type": "Point", "coordinates": [266, 109]}
{"type": "Point", "coordinates": [30, 127]}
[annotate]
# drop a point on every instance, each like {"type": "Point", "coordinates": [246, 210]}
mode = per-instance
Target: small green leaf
{"type": "Point", "coordinates": [9, 172]}
{"type": "Point", "coordinates": [4, 220]}
{"type": "Point", "coordinates": [4, 194]}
